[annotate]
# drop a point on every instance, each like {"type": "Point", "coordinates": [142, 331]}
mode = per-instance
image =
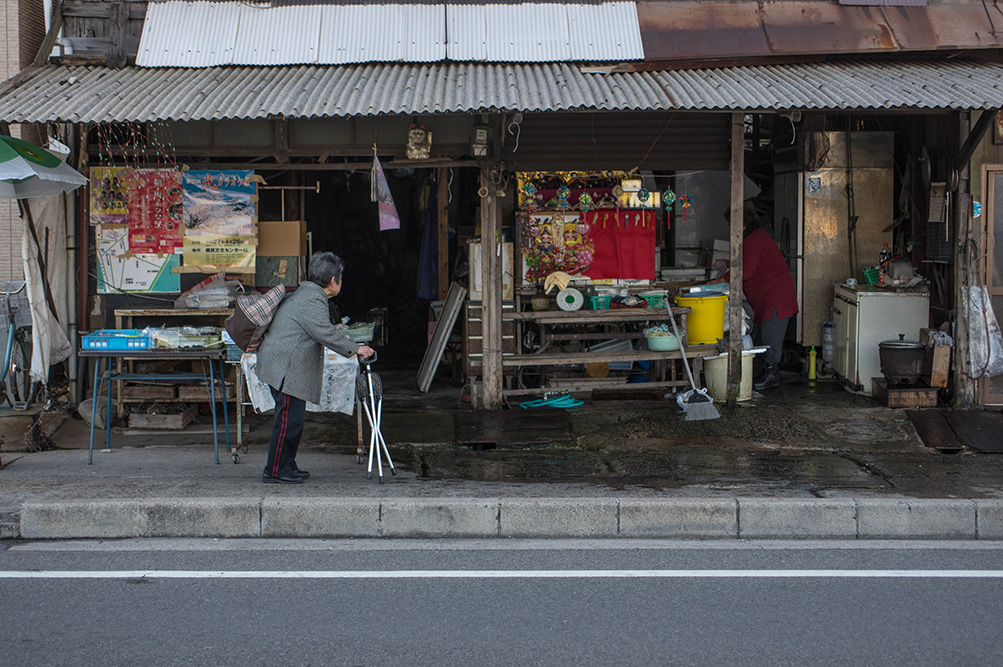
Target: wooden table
{"type": "Point", "coordinates": [549, 319]}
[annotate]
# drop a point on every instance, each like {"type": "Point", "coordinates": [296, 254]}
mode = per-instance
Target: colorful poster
{"type": "Point", "coordinates": [155, 215]}
{"type": "Point", "coordinates": [624, 242]}
{"type": "Point", "coordinates": [389, 219]}
{"type": "Point", "coordinates": [109, 196]}
{"type": "Point", "coordinates": [554, 242]}
{"type": "Point", "coordinates": [220, 203]}
{"type": "Point", "coordinates": [122, 272]}
{"type": "Point", "coordinates": [221, 216]}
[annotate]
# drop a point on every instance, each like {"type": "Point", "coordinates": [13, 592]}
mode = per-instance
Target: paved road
{"type": "Point", "coordinates": [513, 602]}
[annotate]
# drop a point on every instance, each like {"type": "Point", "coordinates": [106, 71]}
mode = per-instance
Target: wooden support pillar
{"type": "Point", "coordinates": [491, 296]}
{"type": "Point", "coordinates": [442, 221]}
{"type": "Point", "coordinates": [966, 391]}
{"type": "Point", "coordinates": [735, 298]}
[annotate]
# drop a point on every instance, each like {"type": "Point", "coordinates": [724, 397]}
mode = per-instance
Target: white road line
{"type": "Point", "coordinates": [503, 574]}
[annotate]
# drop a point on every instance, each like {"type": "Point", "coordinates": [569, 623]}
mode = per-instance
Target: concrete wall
{"type": "Point", "coordinates": [22, 29]}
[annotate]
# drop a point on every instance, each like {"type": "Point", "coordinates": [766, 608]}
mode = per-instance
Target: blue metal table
{"type": "Point", "coordinates": [209, 359]}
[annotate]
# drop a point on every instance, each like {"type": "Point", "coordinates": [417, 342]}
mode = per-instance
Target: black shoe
{"type": "Point", "coordinates": [302, 473]}
{"type": "Point", "coordinates": [769, 380]}
{"type": "Point", "coordinates": [282, 479]}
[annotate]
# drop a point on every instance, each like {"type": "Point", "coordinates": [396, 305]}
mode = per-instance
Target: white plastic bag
{"type": "Point", "coordinates": [985, 342]}
{"type": "Point", "coordinates": [213, 292]}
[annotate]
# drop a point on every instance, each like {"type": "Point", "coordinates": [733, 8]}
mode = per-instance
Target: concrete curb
{"type": "Point", "coordinates": [710, 518]}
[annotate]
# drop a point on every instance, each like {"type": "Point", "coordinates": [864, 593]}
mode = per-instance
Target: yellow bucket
{"type": "Point", "coordinates": [705, 323]}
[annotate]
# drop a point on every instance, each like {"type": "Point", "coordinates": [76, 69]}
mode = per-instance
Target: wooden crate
{"type": "Point", "coordinates": [201, 393]}
{"type": "Point", "coordinates": [903, 397]}
{"type": "Point", "coordinates": [149, 392]}
{"type": "Point", "coordinates": [171, 422]}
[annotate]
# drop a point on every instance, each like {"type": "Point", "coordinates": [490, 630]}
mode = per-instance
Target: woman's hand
{"type": "Point", "coordinates": [365, 351]}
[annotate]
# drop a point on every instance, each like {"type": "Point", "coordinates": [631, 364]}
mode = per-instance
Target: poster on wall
{"type": "Point", "coordinates": [554, 242]}
{"type": "Point", "coordinates": [220, 218]}
{"type": "Point", "coordinates": [119, 272]}
{"type": "Point", "coordinates": [155, 215]}
{"type": "Point", "coordinates": [109, 196]}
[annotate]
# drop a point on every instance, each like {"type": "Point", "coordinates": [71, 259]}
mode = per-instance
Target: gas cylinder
{"type": "Point", "coordinates": [828, 338]}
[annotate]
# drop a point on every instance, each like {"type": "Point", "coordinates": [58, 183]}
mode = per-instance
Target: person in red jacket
{"type": "Point", "coordinates": [769, 290]}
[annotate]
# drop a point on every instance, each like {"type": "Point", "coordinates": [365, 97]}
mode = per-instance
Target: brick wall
{"type": "Point", "coordinates": [22, 29]}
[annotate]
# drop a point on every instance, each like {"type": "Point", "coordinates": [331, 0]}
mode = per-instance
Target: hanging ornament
{"type": "Point", "coordinates": [643, 196]}
{"type": "Point", "coordinates": [669, 198]}
{"type": "Point", "coordinates": [585, 202]}
{"type": "Point", "coordinates": [685, 201]}
{"type": "Point", "coordinates": [529, 190]}
{"type": "Point", "coordinates": [563, 193]}
{"type": "Point", "coordinates": [617, 192]}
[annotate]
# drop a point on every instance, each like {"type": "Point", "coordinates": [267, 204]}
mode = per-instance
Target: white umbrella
{"type": "Point", "coordinates": [27, 170]}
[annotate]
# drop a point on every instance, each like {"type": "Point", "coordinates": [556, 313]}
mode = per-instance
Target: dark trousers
{"type": "Point", "coordinates": [771, 333]}
{"type": "Point", "coordinates": [286, 433]}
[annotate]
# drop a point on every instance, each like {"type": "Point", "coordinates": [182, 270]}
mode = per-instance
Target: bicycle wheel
{"type": "Point", "coordinates": [19, 385]}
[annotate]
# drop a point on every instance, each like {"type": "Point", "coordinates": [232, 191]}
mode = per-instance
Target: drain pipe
{"type": "Point", "coordinates": [71, 279]}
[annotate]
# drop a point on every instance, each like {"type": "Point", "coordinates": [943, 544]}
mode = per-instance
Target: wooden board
{"type": "Point", "coordinates": [170, 422]}
{"type": "Point", "coordinates": [903, 397]}
{"type": "Point", "coordinates": [978, 429]}
{"type": "Point", "coordinates": [200, 393]}
{"type": "Point", "coordinates": [934, 430]}
{"type": "Point", "coordinates": [443, 330]}
{"type": "Point", "coordinates": [148, 393]}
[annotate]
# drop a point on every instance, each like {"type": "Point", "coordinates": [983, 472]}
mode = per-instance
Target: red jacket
{"type": "Point", "coordinates": [766, 280]}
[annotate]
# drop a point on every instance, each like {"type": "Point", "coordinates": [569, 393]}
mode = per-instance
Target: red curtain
{"type": "Point", "coordinates": [624, 243]}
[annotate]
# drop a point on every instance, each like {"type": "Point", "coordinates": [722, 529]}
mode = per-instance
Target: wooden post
{"type": "Point", "coordinates": [735, 298]}
{"type": "Point", "coordinates": [491, 305]}
{"type": "Point", "coordinates": [966, 390]}
{"type": "Point", "coordinates": [442, 218]}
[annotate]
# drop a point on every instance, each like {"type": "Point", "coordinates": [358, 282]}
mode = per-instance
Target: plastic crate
{"type": "Point", "coordinates": [617, 345]}
{"type": "Point", "coordinates": [654, 300]}
{"type": "Point", "coordinates": [233, 353]}
{"type": "Point", "coordinates": [116, 339]}
{"type": "Point", "coordinates": [872, 276]}
{"type": "Point", "coordinates": [600, 302]}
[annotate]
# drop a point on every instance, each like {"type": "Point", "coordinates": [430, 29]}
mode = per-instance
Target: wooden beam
{"type": "Point", "coordinates": [491, 306]}
{"type": "Point", "coordinates": [119, 20]}
{"type": "Point", "coordinates": [442, 221]}
{"type": "Point", "coordinates": [735, 299]}
{"type": "Point", "coordinates": [55, 25]}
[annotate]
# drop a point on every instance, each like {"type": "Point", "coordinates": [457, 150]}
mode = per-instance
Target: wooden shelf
{"type": "Point", "coordinates": [562, 358]}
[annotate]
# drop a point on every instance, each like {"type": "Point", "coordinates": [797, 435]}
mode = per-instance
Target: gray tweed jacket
{"type": "Point", "coordinates": [291, 355]}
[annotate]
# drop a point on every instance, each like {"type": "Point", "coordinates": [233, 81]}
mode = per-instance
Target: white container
{"type": "Point", "coordinates": [715, 372]}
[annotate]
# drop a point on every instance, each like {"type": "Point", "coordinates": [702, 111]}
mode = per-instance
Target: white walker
{"type": "Point", "coordinates": [369, 388]}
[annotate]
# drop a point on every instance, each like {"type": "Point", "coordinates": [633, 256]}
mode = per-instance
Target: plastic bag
{"type": "Point", "coordinates": [985, 342]}
{"type": "Point", "coordinates": [213, 292]}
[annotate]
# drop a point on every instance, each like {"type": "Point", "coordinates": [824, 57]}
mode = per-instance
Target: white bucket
{"type": "Point", "coordinates": [715, 371]}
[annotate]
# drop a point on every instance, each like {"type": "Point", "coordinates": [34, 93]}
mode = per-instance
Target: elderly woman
{"type": "Point", "coordinates": [291, 361]}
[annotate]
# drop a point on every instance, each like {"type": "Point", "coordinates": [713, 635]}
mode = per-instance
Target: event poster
{"type": "Point", "coordinates": [109, 196]}
{"type": "Point", "coordinates": [155, 215]}
{"type": "Point", "coordinates": [120, 271]}
{"type": "Point", "coordinates": [220, 203]}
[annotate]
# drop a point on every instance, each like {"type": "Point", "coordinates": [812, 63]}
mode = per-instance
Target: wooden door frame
{"type": "Point", "coordinates": [986, 240]}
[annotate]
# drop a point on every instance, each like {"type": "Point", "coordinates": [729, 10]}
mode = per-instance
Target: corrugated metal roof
{"type": "Point", "coordinates": [207, 34]}
{"type": "Point", "coordinates": [95, 94]}
{"type": "Point", "coordinates": [212, 34]}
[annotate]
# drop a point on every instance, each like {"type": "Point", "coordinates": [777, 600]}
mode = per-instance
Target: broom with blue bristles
{"type": "Point", "coordinates": [696, 404]}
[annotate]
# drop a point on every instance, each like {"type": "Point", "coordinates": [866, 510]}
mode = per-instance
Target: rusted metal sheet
{"type": "Point", "coordinates": [815, 27]}
{"type": "Point", "coordinates": [947, 26]}
{"type": "Point", "coordinates": [695, 29]}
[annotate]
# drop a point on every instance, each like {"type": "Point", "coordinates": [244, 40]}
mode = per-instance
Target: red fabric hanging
{"type": "Point", "coordinates": [624, 244]}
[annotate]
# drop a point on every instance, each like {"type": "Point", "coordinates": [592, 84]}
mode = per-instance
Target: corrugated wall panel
{"type": "Point", "coordinates": [188, 34]}
{"type": "Point", "coordinates": [651, 141]}
{"type": "Point", "coordinates": [606, 33]}
{"type": "Point", "coordinates": [267, 38]}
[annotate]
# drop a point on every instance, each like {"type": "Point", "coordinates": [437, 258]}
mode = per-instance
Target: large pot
{"type": "Point", "coordinates": [902, 360]}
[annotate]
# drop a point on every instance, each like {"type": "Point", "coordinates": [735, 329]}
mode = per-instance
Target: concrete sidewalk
{"type": "Point", "coordinates": [820, 464]}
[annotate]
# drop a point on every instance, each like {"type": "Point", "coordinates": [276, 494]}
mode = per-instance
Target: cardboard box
{"type": "Point", "coordinates": [281, 238]}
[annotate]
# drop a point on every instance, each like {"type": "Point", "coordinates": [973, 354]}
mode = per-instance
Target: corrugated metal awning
{"type": "Point", "coordinates": [97, 94]}
{"type": "Point", "coordinates": [211, 34]}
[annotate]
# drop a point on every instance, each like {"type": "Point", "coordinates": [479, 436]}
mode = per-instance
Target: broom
{"type": "Point", "coordinates": [696, 404]}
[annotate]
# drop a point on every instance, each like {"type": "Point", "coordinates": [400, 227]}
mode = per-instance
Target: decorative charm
{"type": "Point", "coordinates": [685, 201]}
{"type": "Point", "coordinates": [585, 202]}
{"type": "Point", "coordinates": [563, 193]}
{"type": "Point", "coordinates": [669, 198]}
{"type": "Point", "coordinates": [529, 190]}
{"type": "Point", "coordinates": [643, 196]}
{"type": "Point", "coordinates": [617, 192]}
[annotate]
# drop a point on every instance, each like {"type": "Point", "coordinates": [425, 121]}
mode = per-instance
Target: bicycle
{"type": "Point", "coordinates": [16, 385]}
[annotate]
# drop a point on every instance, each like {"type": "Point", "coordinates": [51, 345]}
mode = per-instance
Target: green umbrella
{"type": "Point", "coordinates": [27, 170]}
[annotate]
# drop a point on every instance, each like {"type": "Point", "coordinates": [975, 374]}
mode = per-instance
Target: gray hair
{"type": "Point", "coordinates": [323, 267]}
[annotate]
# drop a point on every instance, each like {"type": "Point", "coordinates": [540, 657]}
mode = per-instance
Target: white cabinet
{"type": "Point", "coordinates": [862, 318]}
